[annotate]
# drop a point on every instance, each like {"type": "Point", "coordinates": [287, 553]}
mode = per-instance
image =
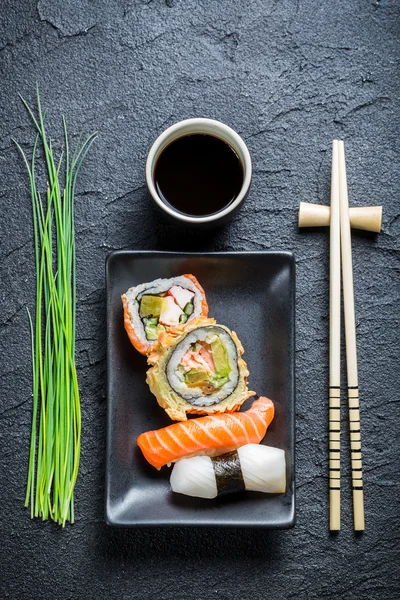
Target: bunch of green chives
{"type": "Point", "coordinates": [56, 419]}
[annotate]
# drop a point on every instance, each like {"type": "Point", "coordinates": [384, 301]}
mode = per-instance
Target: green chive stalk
{"type": "Point", "coordinates": [56, 416]}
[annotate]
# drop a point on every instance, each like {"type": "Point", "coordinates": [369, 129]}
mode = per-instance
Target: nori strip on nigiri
{"type": "Point", "coordinates": [228, 473]}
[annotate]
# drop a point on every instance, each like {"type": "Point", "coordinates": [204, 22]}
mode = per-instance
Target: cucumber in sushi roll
{"type": "Point", "coordinates": [199, 370]}
{"type": "Point", "coordinates": [155, 307]}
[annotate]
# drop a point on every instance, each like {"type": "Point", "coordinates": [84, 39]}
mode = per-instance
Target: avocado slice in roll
{"type": "Point", "coordinates": [199, 370]}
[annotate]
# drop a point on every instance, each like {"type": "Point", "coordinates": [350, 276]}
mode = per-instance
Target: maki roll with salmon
{"type": "Point", "coordinates": [153, 308]}
{"type": "Point", "coordinates": [199, 370]}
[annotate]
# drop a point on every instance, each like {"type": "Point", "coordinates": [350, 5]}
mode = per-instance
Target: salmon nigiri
{"type": "Point", "coordinates": [211, 435]}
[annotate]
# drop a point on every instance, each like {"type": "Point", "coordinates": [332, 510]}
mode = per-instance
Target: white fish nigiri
{"type": "Point", "coordinates": [252, 467]}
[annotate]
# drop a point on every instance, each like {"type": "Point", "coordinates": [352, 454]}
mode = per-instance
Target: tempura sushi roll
{"type": "Point", "coordinates": [155, 307]}
{"type": "Point", "coordinates": [252, 467]}
{"type": "Point", "coordinates": [199, 370]}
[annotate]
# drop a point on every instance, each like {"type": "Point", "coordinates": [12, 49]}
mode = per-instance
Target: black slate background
{"type": "Point", "coordinates": [289, 76]}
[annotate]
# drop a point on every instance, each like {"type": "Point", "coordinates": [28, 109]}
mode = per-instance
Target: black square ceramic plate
{"type": "Point", "coordinates": [251, 293]}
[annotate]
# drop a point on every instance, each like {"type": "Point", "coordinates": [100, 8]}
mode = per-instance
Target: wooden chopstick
{"type": "Point", "coordinates": [334, 347]}
{"type": "Point", "coordinates": [351, 349]}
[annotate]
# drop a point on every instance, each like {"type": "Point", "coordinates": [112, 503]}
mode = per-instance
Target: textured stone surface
{"type": "Point", "coordinates": [289, 76]}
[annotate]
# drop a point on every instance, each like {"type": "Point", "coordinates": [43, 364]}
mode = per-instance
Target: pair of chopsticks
{"type": "Point", "coordinates": [340, 248]}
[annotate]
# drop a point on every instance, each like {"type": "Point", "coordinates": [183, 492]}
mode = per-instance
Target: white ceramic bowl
{"type": "Point", "coordinates": [212, 127]}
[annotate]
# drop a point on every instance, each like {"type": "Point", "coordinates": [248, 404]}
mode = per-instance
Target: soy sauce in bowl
{"type": "Point", "coordinates": [198, 174]}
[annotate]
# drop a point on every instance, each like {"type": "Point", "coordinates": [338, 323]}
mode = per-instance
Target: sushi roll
{"type": "Point", "coordinates": [199, 370]}
{"type": "Point", "coordinates": [252, 467]}
{"type": "Point", "coordinates": [155, 307]}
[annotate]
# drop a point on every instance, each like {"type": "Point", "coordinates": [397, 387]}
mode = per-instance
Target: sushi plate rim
{"type": "Point", "coordinates": [289, 520]}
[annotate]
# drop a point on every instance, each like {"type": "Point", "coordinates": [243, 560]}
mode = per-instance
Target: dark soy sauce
{"type": "Point", "coordinates": [198, 174]}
